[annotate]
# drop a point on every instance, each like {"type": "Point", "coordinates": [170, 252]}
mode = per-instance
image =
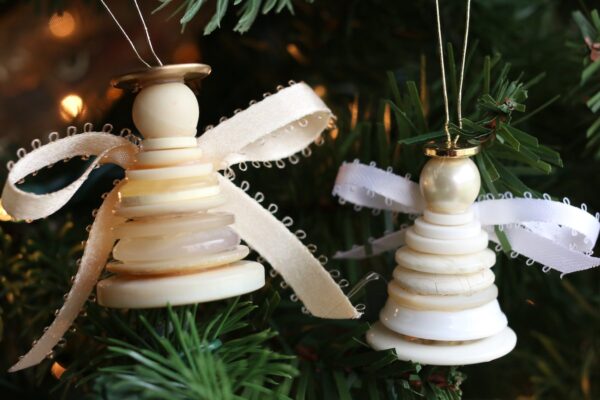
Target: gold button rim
{"type": "Point", "coordinates": [445, 149]}
{"type": "Point", "coordinates": [186, 73]}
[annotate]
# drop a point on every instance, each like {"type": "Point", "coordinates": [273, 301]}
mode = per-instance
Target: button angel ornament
{"type": "Point", "coordinates": [174, 225]}
{"type": "Point", "coordinates": [442, 306]}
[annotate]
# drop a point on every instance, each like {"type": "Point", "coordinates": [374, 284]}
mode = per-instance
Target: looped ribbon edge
{"type": "Point", "coordinates": [554, 234]}
{"type": "Point", "coordinates": [277, 127]}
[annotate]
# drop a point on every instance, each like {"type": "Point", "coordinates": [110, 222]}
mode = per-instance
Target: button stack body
{"type": "Point", "coordinates": [442, 307]}
{"type": "Point", "coordinates": [172, 249]}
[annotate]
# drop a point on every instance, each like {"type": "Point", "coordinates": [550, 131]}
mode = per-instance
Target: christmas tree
{"type": "Point", "coordinates": [531, 82]}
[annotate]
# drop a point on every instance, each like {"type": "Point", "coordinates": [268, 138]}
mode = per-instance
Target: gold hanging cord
{"type": "Point", "coordinates": [451, 148]}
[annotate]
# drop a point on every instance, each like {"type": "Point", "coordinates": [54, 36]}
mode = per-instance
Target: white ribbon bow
{"type": "Point", "coordinates": [556, 235]}
{"type": "Point", "coordinates": [277, 127]}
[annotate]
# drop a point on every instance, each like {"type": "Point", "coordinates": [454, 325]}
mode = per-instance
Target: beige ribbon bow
{"type": "Point", "coordinates": [275, 128]}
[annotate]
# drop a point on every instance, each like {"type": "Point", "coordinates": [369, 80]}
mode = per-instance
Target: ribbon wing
{"type": "Point", "coordinates": [554, 234]}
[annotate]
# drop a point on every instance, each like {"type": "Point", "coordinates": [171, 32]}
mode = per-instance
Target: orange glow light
{"type": "Point", "coordinates": [112, 93]}
{"type": "Point", "coordinates": [71, 106]}
{"type": "Point", "coordinates": [186, 53]}
{"type": "Point", "coordinates": [296, 54]}
{"type": "Point", "coordinates": [320, 90]}
{"type": "Point", "coordinates": [57, 370]}
{"type": "Point", "coordinates": [334, 133]}
{"type": "Point", "coordinates": [387, 120]}
{"type": "Point", "coordinates": [62, 25]}
{"type": "Point", "coordinates": [354, 113]}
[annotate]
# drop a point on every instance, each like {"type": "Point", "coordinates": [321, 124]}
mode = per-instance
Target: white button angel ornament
{"type": "Point", "coordinates": [442, 306]}
{"type": "Point", "coordinates": [174, 224]}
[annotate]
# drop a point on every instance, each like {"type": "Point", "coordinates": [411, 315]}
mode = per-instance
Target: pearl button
{"type": "Point", "coordinates": [450, 185]}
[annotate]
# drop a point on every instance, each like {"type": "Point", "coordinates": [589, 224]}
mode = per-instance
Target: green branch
{"type": "Point", "coordinates": [590, 74]}
{"type": "Point", "coordinates": [490, 124]}
{"type": "Point", "coordinates": [181, 359]}
{"type": "Point", "coordinates": [247, 10]}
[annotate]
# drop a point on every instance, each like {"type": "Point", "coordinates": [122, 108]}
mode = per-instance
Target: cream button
{"type": "Point", "coordinates": [123, 291]}
{"type": "Point", "coordinates": [445, 264]}
{"type": "Point", "coordinates": [172, 225]}
{"type": "Point", "coordinates": [446, 247]}
{"type": "Point", "coordinates": [179, 265]}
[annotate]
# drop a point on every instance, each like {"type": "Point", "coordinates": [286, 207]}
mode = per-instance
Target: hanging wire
{"type": "Point", "coordinates": [462, 65]}
{"type": "Point", "coordinates": [137, 6]}
{"type": "Point", "coordinates": [462, 72]}
{"type": "Point", "coordinates": [443, 68]}
{"type": "Point", "coordinates": [127, 36]}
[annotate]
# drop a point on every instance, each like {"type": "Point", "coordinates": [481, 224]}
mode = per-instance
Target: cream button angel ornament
{"type": "Point", "coordinates": [172, 249]}
{"type": "Point", "coordinates": [174, 225]}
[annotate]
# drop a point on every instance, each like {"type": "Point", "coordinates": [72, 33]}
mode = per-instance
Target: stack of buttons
{"type": "Point", "coordinates": [172, 249]}
{"type": "Point", "coordinates": [442, 307]}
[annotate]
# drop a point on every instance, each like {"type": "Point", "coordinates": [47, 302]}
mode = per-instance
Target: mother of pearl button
{"type": "Point", "coordinates": [451, 247]}
{"type": "Point", "coordinates": [171, 193]}
{"type": "Point", "coordinates": [458, 302]}
{"type": "Point", "coordinates": [439, 284]}
{"type": "Point", "coordinates": [446, 264]}
{"type": "Point", "coordinates": [159, 158]}
{"type": "Point", "coordinates": [141, 188]}
{"type": "Point", "coordinates": [474, 323]}
{"type": "Point", "coordinates": [179, 265]}
{"type": "Point", "coordinates": [175, 207]}
{"type": "Point", "coordinates": [174, 246]}
{"type": "Point", "coordinates": [172, 225]}
{"type": "Point", "coordinates": [469, 352]}
{"type": "Point", "coordinates": [169, 143]}
{"type": "Point", "coordinates": [178, 171]}
{"type": "Point", "coordinates": [448, 219]}
{"type": "Point", "coordinates": [426, 229]}
{"type": "Point", "coordinates": [229, 281]}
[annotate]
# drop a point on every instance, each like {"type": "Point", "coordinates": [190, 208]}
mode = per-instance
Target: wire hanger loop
{"type": "Point", "coordinates": [147, 33]}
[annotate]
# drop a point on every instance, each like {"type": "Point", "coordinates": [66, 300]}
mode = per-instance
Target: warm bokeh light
{"type": "Point", "coordinates": [4, 216]}
{"type": "Point", "coordinates": [62, 25]}
{"type": "Point", "coordinates": [387, 120]}
{"type": "Point", "coordinates": [296, 54]}
{"type": "Point", "coordinates": [423, 87]}
{"type": "Point", "coordinates": [354, 113]}
{"type": "Point", "coordinates": [186, 53]}
{"type": "Point", "coordinates": [334, 133]}
{"type": "Point", "coordinates": [57, 370]}
{"type": "Point", "coordinates": [112, 93]}
{"type": "Point", "coordinates": [320, 90]}
{"type": "Point", "coordinates": [71, 106]}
